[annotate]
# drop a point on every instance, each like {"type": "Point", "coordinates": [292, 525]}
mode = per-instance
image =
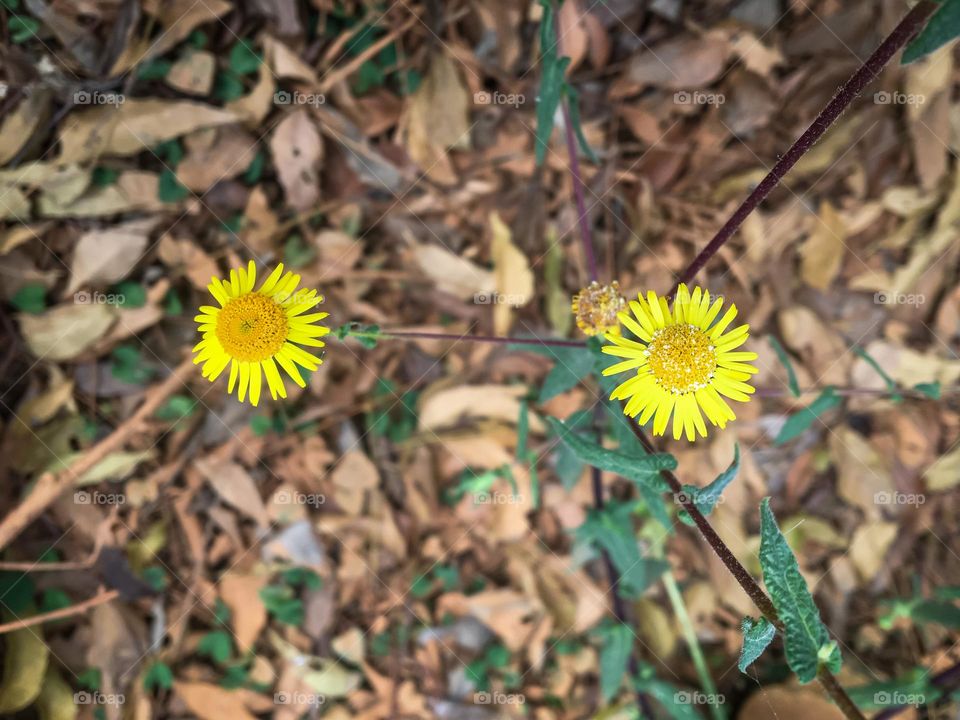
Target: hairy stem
{"type": "Point", "coordinates": [492, 339]}
{"type": "Point", "coordinates": [911, 24]}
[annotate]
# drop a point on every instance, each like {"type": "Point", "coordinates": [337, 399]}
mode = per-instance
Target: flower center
{"type": "Point", "coordinates": [682, 358]}
{"type": "Point", "coordinates": [252, 327]}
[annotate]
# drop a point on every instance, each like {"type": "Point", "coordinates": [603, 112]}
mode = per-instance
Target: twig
{"type": "Point", "coordinates": [901, 35]}
{"type": "Point", "coordinates": [51, 485]}
{"type": "Point", "coordinates": [100, 598]}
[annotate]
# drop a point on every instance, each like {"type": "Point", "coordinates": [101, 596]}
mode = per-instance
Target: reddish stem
{"type": "Point", "coordinates": [901, 35]}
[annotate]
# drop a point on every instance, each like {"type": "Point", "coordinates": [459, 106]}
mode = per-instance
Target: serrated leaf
{"type": "Point", "coordinates": [757, 635]}
{"type": "Point", "coordinates": [787, 365]}
{"type": "Point", "coordinates": [706, 498]}
{"type": "Point", "coordinates": [805, 635]}
{"type": "Point", "coordinates": [798, 423]}
{"type": "Point", "coordinates": [644, 469]}
{"type": "Point", "coordinates": [943, 27]}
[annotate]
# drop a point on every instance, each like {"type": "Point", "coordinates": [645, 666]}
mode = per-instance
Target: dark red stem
{"type": "Point", "coordinates": [901, 35]}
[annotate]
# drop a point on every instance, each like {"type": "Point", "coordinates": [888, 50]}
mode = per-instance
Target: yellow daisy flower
{"type": "Point", "coordinates": [684, 362]}
{"type": "Point", "coordinates": [596, 308]}
{"type": "Point", "coordinates": [255, 330]}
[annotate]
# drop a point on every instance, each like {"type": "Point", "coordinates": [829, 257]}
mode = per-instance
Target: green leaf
{"type": "Point", "coordinates": [569, 467]}
{"type": "Point", "coordinates": [30, 298]}
{"type": "Point", "coordinates": [787, 365]}
{"type": "Point", "coordinates": [132, 294]}
{"type": "Point", "coordinates": [911, 688]}
{"type": "Point", "coordinates": [127, 364]}
{"type": "Point", "coordinates": [930, 389]}
{"type": "Point", "coordinates": [611, 530]}
{"type": "Point", "coordinates": [170, 151]}
{"type": "Point", "coordinates": [551, 82]}
{"type": "Point", "coordinates": [176, 408]}
{"type": "Point", "coordinates": [170, 189]}
{"type": "Point", "coordinates": [91, 678]}
{"type": "Point", "coordinates": [889, 381]}
{"type": "Point", "coordinates": [11, 5]}
{"type": "Point", "coordinates": [171, 303]}
{"type": "Point", "coordinates": [154, 69]}
{"type": "Point", "coordinates": [302, 577]}
{"type": "Point", "coordinates": [281, 603]}
{"type": "Point", "coordinates": [637, 469]}
{"type": "Point", "coordinates": [571, 364]}
{"type": "Point", "coordinates": [254, 171]}
{"type": "Point", "coordinates": [159, 676]}
{"type": "Point", "coordinates": [228, 86]}
{"type": "Point", "coordinates": [54, 599]}
{"type": "Point", "coordinates": [155, 577]}
{"type": "Point", "coordinates": [941, 612]}
{"type": "Point", "coordinates": [22, 28]}
{"type": "Point", "coordinates": [215, 645]}
{"type": "Point", "coordinates": [757, 635]}
{"type": "Point", "coordinates": [943, 27]}
{"type": "Point", "coordinates": [807, 641]}
{"type": "Point", "coordinates": [102, 177]}
{"type": "Point", "coordinates": [244, 60]}
{"type": "Point", "coordinates": [573, 102]}
{"type": "Point", "coordinates": [798, 423]}
{"type": "Point", "coordinates": [614, 658]}
{"type": "Point", "coordinates": [706, 498]}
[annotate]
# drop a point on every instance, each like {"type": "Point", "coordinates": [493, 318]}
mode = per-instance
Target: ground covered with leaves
{"type": "Point", "coordinates": [413, 534]}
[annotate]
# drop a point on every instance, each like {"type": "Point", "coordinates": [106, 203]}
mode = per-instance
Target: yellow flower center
{"type": "Point", "coordinates": [682, 358]}
{"type": "Point", "coordinates": [252, 327]}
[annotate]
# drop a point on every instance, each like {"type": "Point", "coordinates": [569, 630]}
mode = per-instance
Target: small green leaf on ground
{"type": "Point", "coordinates": [784, 359]}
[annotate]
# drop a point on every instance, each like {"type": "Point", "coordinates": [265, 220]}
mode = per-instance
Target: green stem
{"type": "Point", "coordinates": [693, 643]}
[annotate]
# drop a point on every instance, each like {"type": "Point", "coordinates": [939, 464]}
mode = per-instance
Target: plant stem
{"type": "Point", "coordinates": [901, 35]}
{"type": "Point", "coordinates": [749, 585]}
{"type": "Point", "coordinates": [417, 335]}
{"type": "Point", "coordinates": [693, 643]}
{"type": "Point", "coordinates": [578, 185]}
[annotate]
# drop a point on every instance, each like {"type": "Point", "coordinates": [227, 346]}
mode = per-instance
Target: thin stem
{"type": "Point", "coordinates": [901, 35]}
{"type": "Point", "coordinates": [693, 643]}
{"type": "Point", "coordinates": [417, 335]}
{"type": "Point", "coordinates": [578, 185]}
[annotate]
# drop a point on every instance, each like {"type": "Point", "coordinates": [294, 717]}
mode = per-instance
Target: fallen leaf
{"type": "Point", "coordinates": [823, 251]}
{"type": "Point", "coordinates": [102, 257]}
{"type": "Point", "coordinates": [248, 615]}
{"type": "Point", "coordinates": [212, 702]}
{"type": "Point", "coordinates": [193, 73]}
{"type": "Point", "coordinates": [235, 487]}
{"type": "Point", "coordinates": [514, 278]}
{"type": "Point", "coordinates": [453, 405]}
{"type": "Point", "coordinates": [297, 152]}
{"type": "Point", "coordinates": [453, 274]}
{"type": "Point", "coordinates": [869, 546]}
{"type": "Point", "coordinates": [24, 665]}
{"type": "Point", "coordinates": [66, 331]}
{"type": "Point", "coordinates": [133, 126]}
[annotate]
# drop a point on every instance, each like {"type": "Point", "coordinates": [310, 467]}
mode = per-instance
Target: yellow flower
{"type": "Point", "coordinates": [596, 308]}
{"type": "Point", "coordinates": [684, 362]}
{"type": "Point", "coordinates": [255, 330]}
